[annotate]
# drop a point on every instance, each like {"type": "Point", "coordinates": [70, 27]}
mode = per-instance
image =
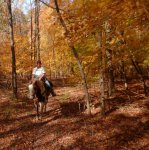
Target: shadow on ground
{"type": "Point", "coordinates": [65, 127]}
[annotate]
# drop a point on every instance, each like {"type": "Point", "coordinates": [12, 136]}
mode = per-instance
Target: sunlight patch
{"type": "Point", "coordinates": [66, 141]}
{"type": "Point", "coordinates": [132, 110]}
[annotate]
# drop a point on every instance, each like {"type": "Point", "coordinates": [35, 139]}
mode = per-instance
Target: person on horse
{"type": "Point", "coordinates": [39, 74]}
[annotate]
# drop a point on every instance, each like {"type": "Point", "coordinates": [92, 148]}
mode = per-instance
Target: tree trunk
{"type": "Point", "coordinates": [35, 32]}
{"type": "Point", "coordinates": [31, 33]}
{"type": "Point", "coordinates": [38, 31]}
{"type": "Point", "coordinates": [54, 60]}
{"type": "Point", "coordinates": [102, 70]}
{"type": "Point", "coordinates": [83, 78]}
{"type": "Point", "coordinates": [111, 86]}
{"type": "Point", "coordinates": [136, 65]}
{"type": "Point", "coordinates": [12, 43]}
{"type": "Point", "coordinates": [139, 71]}
{"type": "Point", "coordinates": [76, 57]}
{"type": "Point", "coordinates": [124, 75]}
{"type": "Point", "coordinates": [37, 35]}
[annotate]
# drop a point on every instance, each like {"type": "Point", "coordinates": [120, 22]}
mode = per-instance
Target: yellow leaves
{"type": "Point", "coordinates": [5, 60]}
{"type": "Point", "coordinates": [84, 19]}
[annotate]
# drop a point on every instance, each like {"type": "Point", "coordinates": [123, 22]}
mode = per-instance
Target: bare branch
{"type": "Point", "coordinates": [48, 5]}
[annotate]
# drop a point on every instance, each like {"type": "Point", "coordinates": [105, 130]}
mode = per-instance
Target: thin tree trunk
{"type": "Point", "coordinates": [37, 34]}
{"type": "Point", "coordinates": [14, 74]}
{"type": "Point", "coordinates": [124, 75]}
{"type": "Point", "coordinates": [136, 66]}
{"type": "Point", "coordinates": [111, 86]}
{"type": "Point", "coordinates": [123, 72]}
{"type": "Point", "coordinates": [77, 59]}
{"type": "Point", "coordinates": [83, 78]}
{"type": "Point", "coordinates": [102, 70]}
{"type": "Point", "coordinates": [38, 31]}
{"type": "Point", "coordinates": [139, 71]}
{"type": "Point", "coordinates": [31, 33]}
{"type": "Point", "coordinates": [54, 59]}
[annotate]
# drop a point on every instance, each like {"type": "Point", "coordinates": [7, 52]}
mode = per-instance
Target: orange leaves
{"type": "Point", "coordinates": [84, 20]}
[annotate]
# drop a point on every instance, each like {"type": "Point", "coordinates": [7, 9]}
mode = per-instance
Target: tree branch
{"type": "Point", "coordinates": [60, 17]}
{"type": "Point", "coordinates": [48, 5]}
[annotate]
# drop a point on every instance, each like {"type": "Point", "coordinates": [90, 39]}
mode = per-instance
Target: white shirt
{"type": "Point", "coordinates": [37, 72]}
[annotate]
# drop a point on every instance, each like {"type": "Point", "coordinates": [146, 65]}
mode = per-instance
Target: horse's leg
{"type": "Point", "coordinates": [37, 111]}
{"type": "Point", "coordinates": [36, 104]}
{"type": "Point", "coordinates": [45, 107]}
{"type": "Point", "coordinates": [41, 104]}
{"type": "Point", "coordinates": [45, 104]}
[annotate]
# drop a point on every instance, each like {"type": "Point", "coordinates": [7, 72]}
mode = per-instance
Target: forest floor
{"type": "Point", "coordinates": [65, 125]}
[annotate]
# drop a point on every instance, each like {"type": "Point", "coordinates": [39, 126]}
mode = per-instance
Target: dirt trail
{"type": "Point", "coordinates": [65, 126]}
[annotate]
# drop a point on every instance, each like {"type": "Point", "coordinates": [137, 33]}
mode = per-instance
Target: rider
{"type": "Point", "coordinates": [38, 73]}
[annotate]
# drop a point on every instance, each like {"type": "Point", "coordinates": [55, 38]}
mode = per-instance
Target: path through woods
{"type": "Point", "coordinates": [65, 126]}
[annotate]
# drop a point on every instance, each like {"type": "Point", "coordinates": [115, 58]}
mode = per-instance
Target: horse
{"type": "Point", "coordinates": [41, 93]}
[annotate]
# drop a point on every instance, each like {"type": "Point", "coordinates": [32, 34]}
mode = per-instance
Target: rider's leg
{"type": "Point", "coordinates": [48, 84]}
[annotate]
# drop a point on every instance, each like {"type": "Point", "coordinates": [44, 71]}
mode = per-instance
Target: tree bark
{"type": "Point", "coordinates": [139, 71]}
{"type": "Point", "coordinates": [111, 85]}
{"type": "Point", "coordinates": [12, 44]}
{"type": "Point", "coordinates": [38, 30]}
{"type": "Point", "coordinates": [37, 34]}
{"type": "Point", "coordinates": [31, 37]}
{"type": "Point", "coordinates": [124, 75]}
{"type": "Point", "coordinates": [101, 43]}
{"type": "Point", "coordinates": [54, 59]}
{"type": "Point", "coordinates": [76, 57]}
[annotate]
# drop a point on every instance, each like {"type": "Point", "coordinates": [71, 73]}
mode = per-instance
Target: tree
{"type": "Point", "coordinates": [76, 56]}
{"type": "Point", "coordinates": [12, 44]}
{"type": "Point", "coordinates": [37, 34]}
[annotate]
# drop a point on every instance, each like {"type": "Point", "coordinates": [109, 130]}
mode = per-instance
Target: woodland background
{"type": "Point", "coordinates": [97, 47]}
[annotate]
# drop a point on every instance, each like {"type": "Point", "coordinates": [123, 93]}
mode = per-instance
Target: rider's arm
{"type": "Point", "coordinates": [43, 74]}
{"type": "Point", "coordinates": [32, 78]}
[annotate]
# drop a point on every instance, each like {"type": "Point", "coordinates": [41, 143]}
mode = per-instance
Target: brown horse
{"type": "Point", "coordinates": [41, 93]}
